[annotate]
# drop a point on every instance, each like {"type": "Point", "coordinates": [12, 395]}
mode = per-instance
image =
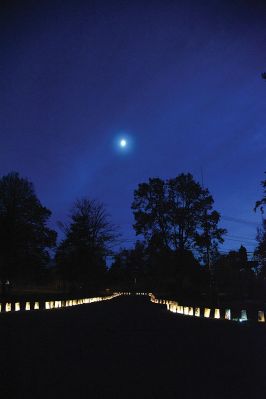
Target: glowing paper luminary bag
{"type": "Point", "coordinates": [227, 315]}
{"type": "Point", "coordinates": [197, 312]}
{"type": "Point", "coordinates": [190, 311]}
{"type": "Point", "coordinates": [243, 316]}
{"type": "Point", "coordinates": [8, 307]}
{"type": "Point", "coordinates": [261, 316]}
{"type": "Point", "coordinates": [217, 313]}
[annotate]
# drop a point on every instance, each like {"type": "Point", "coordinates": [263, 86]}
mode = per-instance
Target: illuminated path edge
{"type": "Point", "coordinates": [206, 312]}
{"type": "Point", "coordinates": [172, 306]}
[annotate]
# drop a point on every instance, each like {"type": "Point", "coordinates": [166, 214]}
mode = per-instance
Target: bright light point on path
{"type": "Point", "coordinates": [123, 143]}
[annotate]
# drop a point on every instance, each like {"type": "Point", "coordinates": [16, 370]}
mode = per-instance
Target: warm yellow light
{"type": "Point", "coordinates": [17, 307]}
{"type": "Point", "coordinates": [261, 316]}
{"type": "Point", "coordinates": [217, 313]}
{"type": "Point", "coordinates": [8, 307]}
{"type": "Point", "coordinates": [207, 312]}
{"type": "Point", "coordinates": [36, 306]}
{"type": "Point", "coordinates": [27, 307]}
{"type": "Point", "coordinates": [186, 310]}
{"type": "Point", "coordinates": [190, 311]}
{"type": "Point", "coordinates": [47, 305]}
{"type": "Point", "coordinates": [197, 312]}
{"type": "Point", "coordinates": [173, 307]}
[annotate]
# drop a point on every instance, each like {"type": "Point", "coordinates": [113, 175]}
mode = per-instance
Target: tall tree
{"type": "Point", "coordinates": [178, 212]}
{"type": "Point", "coordinates": [243, 257]}
{"type": "Point", "coordinates": [260, 251]}
{"type": "Point", "coordinates": [89, 237]}
{"type": "Point", "coordinates": [24, 235]}
{"type": "Point", "coordinates": [208, 235]}
{"type": "Point", "coordinates": [150, 207]}
{"type": "Point", "coordinates": [176, 217]}
{"type": "Point", "coordinates": [184, 195]}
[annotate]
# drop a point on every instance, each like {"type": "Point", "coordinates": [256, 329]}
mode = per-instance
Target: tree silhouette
{"type": "Point", "coordinates": [177, 212]}
{"type": "Point", "coordinates": [243, 256]}
{"type": "Point", "coordinates": [176, 217]}
{"type": "Point", "coordinates": [234, 275]}
{"type": "Point", "coordinates": [150, 207]}
{"type": "Point", "coordinates": [129, 270]}
{"type": "Point", "coordinates": [24, 235]}
{"type": "Point", "coordinates": [260, 251]}
{"type": "Point", "coordinates": [208, 235]}
{"type": "Point", "coordinates": [184, 207]}
{"type": "Point", "coordinates": [89, 237]}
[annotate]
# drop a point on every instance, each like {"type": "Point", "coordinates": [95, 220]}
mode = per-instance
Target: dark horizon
{"type": "Point", "coordinates": [181, 80]}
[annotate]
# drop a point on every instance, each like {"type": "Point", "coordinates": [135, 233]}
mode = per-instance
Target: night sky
{"type": "Point", "coordinates": [181, 80]}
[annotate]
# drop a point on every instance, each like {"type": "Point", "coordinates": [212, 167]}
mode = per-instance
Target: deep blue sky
{"type": "Point", "coordinates": [180, 78]}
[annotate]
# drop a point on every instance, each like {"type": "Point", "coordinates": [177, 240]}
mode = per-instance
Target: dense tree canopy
{"type": "Point", "coordinates": [24, 235]}
{"type": "Point", "coordinates": [260, 251]}
{"type": "Point", "coordinates": [89, 237]}
{"type": "Point", "coordinates": [180, 231]}
{"type": "Point", "coordinates": [177, 212]}
{"type": "Point", "coordinates": [234, 275]}
{"type": "Point", "coordinates": [130, 268]}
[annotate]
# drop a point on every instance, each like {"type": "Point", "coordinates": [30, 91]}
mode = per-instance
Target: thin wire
{"type": "Point", "coordinates": [237, 220]}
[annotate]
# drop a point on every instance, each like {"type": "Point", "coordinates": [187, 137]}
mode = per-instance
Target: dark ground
{"type": "Point", "coordinates": [129, 348]}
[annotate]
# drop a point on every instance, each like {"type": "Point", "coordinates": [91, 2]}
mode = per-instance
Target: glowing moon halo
{"type": "Point", "coordinates": [123, 143]}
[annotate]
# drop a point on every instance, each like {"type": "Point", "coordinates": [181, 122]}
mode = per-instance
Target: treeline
{"type": "Point", "coordinates": [29, 253]}
{"type": "Point", "coordinates": [177, 251]}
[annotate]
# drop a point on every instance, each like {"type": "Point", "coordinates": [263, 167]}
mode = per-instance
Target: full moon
{"type": "Point", "coordinates": [123, 143]}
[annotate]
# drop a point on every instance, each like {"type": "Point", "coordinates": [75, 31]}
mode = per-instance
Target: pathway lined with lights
{"type": "Point", "coordinates": [128, 347]}
{"type": "Point", "coordinates": [53, 304]}
{"type": "Point", "coordinates": [206, 312]}
{"type": "Point", "coordinates": [172, 306]}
